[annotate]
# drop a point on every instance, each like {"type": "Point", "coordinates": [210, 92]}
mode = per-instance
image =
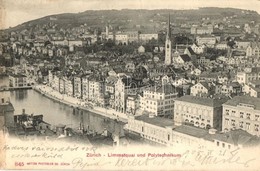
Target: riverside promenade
{"type": "Point", "coordinates": [78, 103]}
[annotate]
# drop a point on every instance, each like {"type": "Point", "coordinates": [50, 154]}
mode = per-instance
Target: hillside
{"type": "Point", "coordinates": [144, 19]}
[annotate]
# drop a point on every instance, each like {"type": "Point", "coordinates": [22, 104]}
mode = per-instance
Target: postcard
{"type": "Point", "coordinates": [129, 85]}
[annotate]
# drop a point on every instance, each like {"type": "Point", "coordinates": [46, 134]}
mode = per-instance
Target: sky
{"type": "Point", "coordinates": [14, 12]}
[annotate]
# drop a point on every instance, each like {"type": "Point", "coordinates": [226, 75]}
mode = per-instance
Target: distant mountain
{"type": "Point", "coordinates": [142, 19]}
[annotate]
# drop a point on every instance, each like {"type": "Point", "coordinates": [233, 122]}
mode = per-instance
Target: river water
{"type": "Point", "coordinates": [57, 113]}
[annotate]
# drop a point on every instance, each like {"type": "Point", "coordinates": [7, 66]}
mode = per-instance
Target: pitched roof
{"type": "Point", "coordinates": [205, 84]}
{"type": "Point", "coordinates": [191, 51]}
{"type": "Point", "coordinates": [185, 58]}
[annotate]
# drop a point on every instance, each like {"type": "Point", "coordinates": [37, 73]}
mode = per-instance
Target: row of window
{"type": "Point", "coordinates": [242, 114]}
{"type": "Point", "coordinates": [241, 124]}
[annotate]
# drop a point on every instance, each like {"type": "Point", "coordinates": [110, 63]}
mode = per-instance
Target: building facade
{"type": "Point", "coordinates": [199, 111]}
{"type": "Point", "coordinates": [242, 112]}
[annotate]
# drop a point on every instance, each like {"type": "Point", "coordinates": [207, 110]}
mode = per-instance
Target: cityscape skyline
{"type": "Point", "coordinates": [27, 10]}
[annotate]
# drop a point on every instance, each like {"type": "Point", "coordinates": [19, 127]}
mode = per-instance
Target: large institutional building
{"type": "Point", "coordinates": [242, 112]}
{"type": "Point", "coordinates": [199, 111]}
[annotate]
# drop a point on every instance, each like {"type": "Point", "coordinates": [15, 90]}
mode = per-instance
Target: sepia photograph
{"type": "Point", "coordinates": [129, 85]}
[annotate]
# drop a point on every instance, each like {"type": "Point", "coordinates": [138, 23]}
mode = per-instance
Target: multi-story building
{"type": "Point", "coordinates": [121, 38]}
{"type": "Point", "coordinates": [120, 95]}
{"type": "Point", "coordinates": [96, 88]}
{"type": "Point", "coordinates": [159, 101]}
{"type": "Point", "coordinates": [68, 86]}
{"type": "Point", "coordinates": [245, 77]}
{"type": "Point", "coordinates": [77, 86]}
{"type": "Point", "coordinates": [198, 49]}
{"type": "Point", "coordinates": [17, 80]}
{"type": "Point", "coordinates": [202, 29]}
{"type": "Point", "coordinates": [156, 129]}
{"type": "Point", "coordinates": [55, 84]}
{"type": "Point", "coordinates": [145, 37]}
{"type": "Point", "coordinates": [253, 49]}
{"type": "Point", "coordinates": [251, 90]}
{"type": "Point", "coordinates": [205, 88]}
{"type": "Point", "coordinates": [209, 41]}
{"type": "Point", "coordinates": [85, 87]}
{"type": "Point", "coordinates": [133, 36]}
{"type": "Point", "coordinates": [242, 44]}
{"type": "Point", "coordinates": [242, 112]}
{"type": "Point", "coordinates": [132, 104]}
{"type": "Point", "coordinates": [163, 131]}
{"type": "Point", "coordinates": [199, 111]}
{"type": "Point", "coordinates": [62, 86]}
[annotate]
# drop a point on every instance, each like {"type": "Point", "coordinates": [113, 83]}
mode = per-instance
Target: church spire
{"type": "Point", "coordinates": [169, 27]}
{"type": "Point", "coordinates": [168, 45]}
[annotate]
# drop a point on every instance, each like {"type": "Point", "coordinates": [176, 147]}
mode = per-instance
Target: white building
{"type": "Point", "coordinates": [242, 112]}
{"type": "Point", "coordinates": [145, 37]}
{"type": "Point", "coordinates": [199, 111]}
{"type": "Point", "coordinates": [159, 101]}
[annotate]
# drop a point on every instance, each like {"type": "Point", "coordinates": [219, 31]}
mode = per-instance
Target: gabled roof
{"type": "Point", "coordinates": [191, 51]}
{"type": "Point", "coordinates": [185, 58]}
{"type": "Point", "coordinates": [205, 84]}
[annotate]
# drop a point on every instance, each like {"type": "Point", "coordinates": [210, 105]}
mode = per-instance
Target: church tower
{"type": "Point", "coordinates": [168, 45]}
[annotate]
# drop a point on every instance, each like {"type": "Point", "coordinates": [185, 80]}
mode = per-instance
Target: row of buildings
{"type": "Point", "coordinates": [195, 120]}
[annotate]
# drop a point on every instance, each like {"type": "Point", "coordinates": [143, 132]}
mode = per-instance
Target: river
{"type": "Point", "coordinates": [57, 113]}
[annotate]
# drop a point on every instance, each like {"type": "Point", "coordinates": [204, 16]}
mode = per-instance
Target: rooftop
{"type": "Point", "coordinates": [206, 101]}
{"type": "Point", "coordinates": [167, 89]}
{"type": "Point", "coordinates": [192, 131]}
{"type": "Point", "coordinates": [244, 100]}
{"type": "Point", "coordinates": [158, 121]}
{"type": "Point", "coordinates": [238, 137]}
{"type": "Point", "coordinates": [185, 58]}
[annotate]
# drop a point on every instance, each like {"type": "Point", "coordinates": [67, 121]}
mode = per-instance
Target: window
{"type": "Point", "coordinates": [3, 100]}
{"type": "Point", "coordinates": [256, 117]}
{"type": "Point", "coordinates": [248, 115]}
{"type": "Point", "coordinates": [241, 114]}
{"type": "Point", "coordinates": [223, 145]}
{"type": "Point", "coordinates": [256, 127]}
{"type": "Point", "coordinates": [226, 121]}
{"type": "Point", "coordinates": [233, 122]}
{"type": "Point", "coordinates": [241, 124]}
{"type": "Point", "coordinates": [227, 112]}
{"type": "Point", "coordinates": [217, 143]}
{"type": "Point", "coordinates": [247, 126]}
